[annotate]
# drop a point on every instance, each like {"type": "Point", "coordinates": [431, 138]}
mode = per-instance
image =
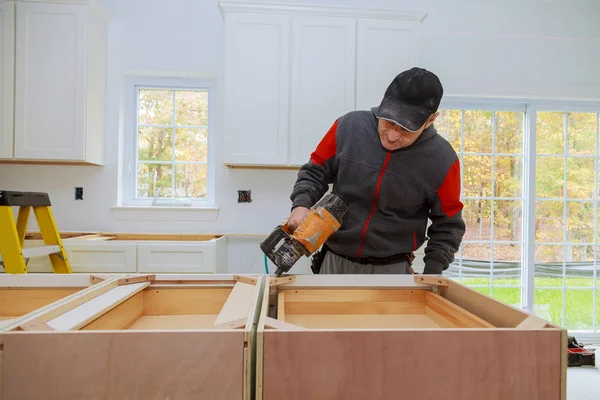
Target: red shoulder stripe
{"type": "Point", "coordinates": [327, 147]}
{"type": "Point", "coordinates": [449, 191]}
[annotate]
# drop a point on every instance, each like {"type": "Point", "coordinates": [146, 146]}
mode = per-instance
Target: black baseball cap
{"type": "Point", "coordinates": [412, 97]}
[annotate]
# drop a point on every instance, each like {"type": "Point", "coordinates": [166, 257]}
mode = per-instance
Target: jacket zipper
{"type": "Point", "coordinates": [377, 190]}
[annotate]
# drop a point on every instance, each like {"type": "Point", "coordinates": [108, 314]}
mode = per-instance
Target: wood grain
{"type": "Point", "coordinates": [123, 365]}
{"type": "Point", "coordinates": [20, 301]}
{"type": "Point", "coordinates": [184, 300]}
{"type": "Point", "coordinates": [427, 364]}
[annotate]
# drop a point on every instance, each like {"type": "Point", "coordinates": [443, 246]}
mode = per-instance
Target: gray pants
{"type": "Point", "coordinates": [334, 264]}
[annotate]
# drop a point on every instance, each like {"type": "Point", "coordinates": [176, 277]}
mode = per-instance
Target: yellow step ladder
{"type": "Point", "coordinates": [13, 256]}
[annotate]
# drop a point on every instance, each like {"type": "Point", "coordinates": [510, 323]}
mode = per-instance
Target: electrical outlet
{"type": "Point", "coordinates": [244, 196]}
{"type": "Point", "coordinates": [78, 193]}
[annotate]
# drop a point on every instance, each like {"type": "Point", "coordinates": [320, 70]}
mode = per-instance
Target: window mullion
{"type": "Point", "coordinates": [173, 150]}
{"type": "Point", "coordinates": [529, 216]}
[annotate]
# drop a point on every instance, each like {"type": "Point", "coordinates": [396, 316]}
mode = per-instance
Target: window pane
{"type": "Point", "coordinates": [477, 251]}
{"type": "Point", "coordinates": [579, 309]}
{"type": "Point", "coordinates": [581, 133]}
{"type": "Point", "coordinates": [508, 220]}
{"type": "Point", "coordinates": [548, 304]}
{"type": "Point", "coordinates": [580, 178]}
{"type": "Point", "coordinates": [509, 132]}
{"type": "Point", "coordinates": [477, 215]}
{"type": "Point", "coordinates": [510, 253]}
{"type": "Point", "coordinates": [478, 131]}
{"type": "Point", "coordinates": [154, 180]}
{"type": "Point", "coordinates": [191, 108]}
{"type": "Point", "coordinates": [580, 222]}
{"type": "Point", "coordinates": [190, 180]}
{"type": "Point", "coordinates": [477, 178]}
{"type": "Point", "coordinates": [449, 125]}
{"type": "Point", "coordinates": [155, 107]}
{"type": "Point", "coordinates": [510, 296]}
{"type": "Point", "coordinates": [550, 133]}
{"type": "Point", "coordinates": [508, 175]}
{"type": "Point", "coordinates": [191, 144]}
{"type": "Point", "coordinates": [552, 254]}
{"type": "Point", "coordinates": [550, 177]}
{"type": "Point", "coordinates": [549, 221]}
{"type": "Point", "coordinates": [155, 144]}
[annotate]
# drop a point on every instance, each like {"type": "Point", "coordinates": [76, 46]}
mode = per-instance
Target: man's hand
{"type": "Point", "coordinates": [297, 217]}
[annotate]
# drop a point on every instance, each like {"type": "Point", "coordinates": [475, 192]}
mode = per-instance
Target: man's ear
{"type": "Point", "coordinates": [431, 119]}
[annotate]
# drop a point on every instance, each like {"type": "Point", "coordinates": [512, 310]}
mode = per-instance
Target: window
{"type": "Point", "coordinates": [168, 160]}
{"type": "Point", "coordinates": [530, 190]}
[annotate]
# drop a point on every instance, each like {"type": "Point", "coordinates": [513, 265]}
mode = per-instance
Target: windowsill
{"type": "Point", "coordinates": [150, 213]}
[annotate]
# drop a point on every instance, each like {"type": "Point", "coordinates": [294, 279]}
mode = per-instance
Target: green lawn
{"type": "Point", "coordinates": [548, 299]}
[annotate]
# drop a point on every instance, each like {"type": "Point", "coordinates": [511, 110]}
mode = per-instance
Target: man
{"type": "Point", "coordinates": [395, 172]}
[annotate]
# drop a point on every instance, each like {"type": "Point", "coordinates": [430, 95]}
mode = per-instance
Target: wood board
{"type": "Point", "coordinates": [139, 339]}
{"type": "Point", "coordinates": [356, 337]}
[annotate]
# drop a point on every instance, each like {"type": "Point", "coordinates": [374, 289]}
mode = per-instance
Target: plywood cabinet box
{"type": "Point", "coordinates": [366, 337]}
{"type": "Point", "coordinates": [22, 294]}
{"type": "Point", "coordinates": [138, 337]}
{"type": "Point", "coordinates": [141, 253]}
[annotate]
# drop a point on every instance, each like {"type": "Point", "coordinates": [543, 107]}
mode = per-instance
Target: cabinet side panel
{"type": "Point", "coordinates": [7, 76]}
{"type": "Point", "coordinates": [463, 364]}
{"type": "Point", "coordinates": [96, 90]}
{"type": "Point", "coordinates": [120, 365]}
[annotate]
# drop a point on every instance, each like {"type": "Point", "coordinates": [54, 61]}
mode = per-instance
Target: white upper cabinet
{"type": "Point", "coordinates": [59, 81]}
{"type": "Point", "coordinates": [256, 89]}
{"type": "Point", "coordinates": [7, 77]}
{"type": "Point", "coordinates": [291, 70]}
{"type": "Point", "coordinates": [322, 79]}
{"type": "Point", "coordinates": [384, 49]}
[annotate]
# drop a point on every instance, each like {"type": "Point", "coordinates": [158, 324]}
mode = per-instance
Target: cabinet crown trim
{"type": "Point", "coordinates": [322, 10]}
{"type": "Point", "coordinates": [95, 5]}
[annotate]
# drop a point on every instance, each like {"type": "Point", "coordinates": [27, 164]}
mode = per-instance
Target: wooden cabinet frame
{"type": "Point", "coordinates": [369, 336]}
{"type": "Point", "coordinates": [138, 336]}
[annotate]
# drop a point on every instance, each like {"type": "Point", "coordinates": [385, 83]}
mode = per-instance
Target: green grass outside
{"type": "Point", "coordinates": [548, 299]}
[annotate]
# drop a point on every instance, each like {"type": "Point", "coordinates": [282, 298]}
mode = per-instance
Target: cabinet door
{"type": "Point", "coordinates": [256, 89]}
{"type": "Point", "coordinates": [322, 79]}
{"type": "Point", "coordinates": [7, 73]}
{"type": "Point", "coordinates": [176, 257]}
{"type": "Point", "coordinates": [50, 77]}
{"type": "Point", "coordinates": [385, 48]}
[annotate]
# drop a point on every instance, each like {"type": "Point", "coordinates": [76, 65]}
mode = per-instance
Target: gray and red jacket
{"type": "Point", "coordinates": [391, 194]}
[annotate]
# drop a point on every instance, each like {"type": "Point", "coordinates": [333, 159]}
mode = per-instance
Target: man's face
{"type": "Point", "coordinates": [394, 137]}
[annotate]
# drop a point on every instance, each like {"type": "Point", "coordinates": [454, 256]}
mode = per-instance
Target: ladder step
{"type": "Point", "coordinates": [38, 251]}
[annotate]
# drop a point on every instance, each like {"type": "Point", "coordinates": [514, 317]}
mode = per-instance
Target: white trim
{"type": "Point", "coordinates": [185, 214]}
{"type": "Point", "coordinates": [127, 199]}
{"type": "Point", "coordinates": [96, 6]}
{"type": "Point", "coordinates": [321, 10]}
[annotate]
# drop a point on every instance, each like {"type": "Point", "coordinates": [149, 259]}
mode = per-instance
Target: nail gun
{"type": "Point", "coordinates": [323, 219]}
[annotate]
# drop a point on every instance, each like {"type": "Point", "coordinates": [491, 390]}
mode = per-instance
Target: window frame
{"type": "Point", "coordinates": [128, 175]}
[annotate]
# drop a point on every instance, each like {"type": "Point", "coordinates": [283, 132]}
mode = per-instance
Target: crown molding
{"type": "Point", "coordinates": [95, 5]}
{"type": "Point", "coordinates": [321, 10]}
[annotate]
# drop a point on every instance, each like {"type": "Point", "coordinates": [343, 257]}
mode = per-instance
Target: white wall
{"type": "Point", "coordinates": [538, 48]}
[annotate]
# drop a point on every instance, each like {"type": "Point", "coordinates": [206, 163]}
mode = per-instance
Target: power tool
{"type": "Point", "coordinates": [323, 220]}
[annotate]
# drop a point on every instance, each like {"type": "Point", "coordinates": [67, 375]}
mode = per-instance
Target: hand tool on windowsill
{"type": "Point", "coordinates": [578, 355]}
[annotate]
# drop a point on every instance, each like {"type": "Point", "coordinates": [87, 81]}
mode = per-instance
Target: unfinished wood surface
{"type": "Point", "coordinates": [92, 309]}
{"type": "Point", "coordinates": [491, 310]}
{"type": "Point", "coordinates": [352, 281]}
{"type": "Point", "coordinates": [238, 303]}
{"type": "Point", "coordinates": [454, 315]}
{"type": "Point", "coordinates": [123, 365]}
{"type": "Point", "coordinates": [431, 280]}
{"type": "Point", "coordinates": [158, 236]}
{"type": "Point", "coordinates": [416, 364]}
{"type": "Point", "coordinates": [354, 301]}
{"type": "Point", "coordinates": [175, 322]}
{"type": "Point", "coordinates": [363, 321]}
{"type": "Point", "coordinates": [20, 301]}
{"type": "Point", "coordinates": [184, 301]}
{"type": "Point", "coordinates": [121, 317]}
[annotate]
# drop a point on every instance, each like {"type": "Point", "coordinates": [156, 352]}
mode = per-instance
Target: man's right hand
{"type": "Point", "coordinates": [297, 217]}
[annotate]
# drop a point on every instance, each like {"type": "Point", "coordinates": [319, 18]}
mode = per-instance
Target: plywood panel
{"type": "Point", "coordinates": [120, 317]}
{"type": "Point", "coordinates": [175, 322]}
{"type": "Point", "coordinates": [123, 365]}
{"type": "Point", "coordinates": [184, 301]}
{"type": "Point", "coordinates": [478, 364]}
{"type": "Point", "coordinates": [20, 301]}
{"type": "Point", "coordinates": [348, 321]}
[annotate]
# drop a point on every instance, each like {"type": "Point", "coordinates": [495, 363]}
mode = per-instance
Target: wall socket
{"type": "Point", "coordinates": [244, 196]}
{"type": "Point", "coordinates": [78, 193]}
